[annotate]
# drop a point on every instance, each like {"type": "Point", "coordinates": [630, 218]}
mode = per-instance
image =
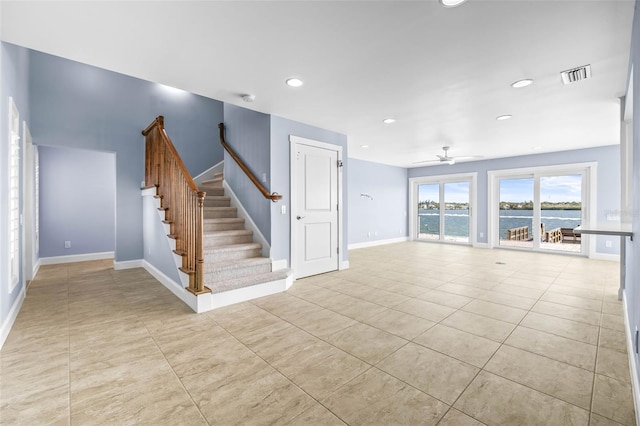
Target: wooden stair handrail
{"type": "Point", "coordinates": [273, 196]}
{"type": "Point", "coordinates": [159, 121]}
{"type": "Point", "coordinates": [181, 200]}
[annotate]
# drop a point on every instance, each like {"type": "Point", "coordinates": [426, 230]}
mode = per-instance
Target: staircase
{"type": "Point", "coordinates": [231, 259]}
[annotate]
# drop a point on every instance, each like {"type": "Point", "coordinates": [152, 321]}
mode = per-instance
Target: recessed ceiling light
{"type": "Point", "coordinates": [522, 83]}
{"type": "Point", "coordinates": [451, 3]}
{"type": "Point", "coordinates": [364, 146]}
{"type": "Point", "coordinates": [389, 120]}
{"type": "Point", "coordinates": [248, 98]}
{"type": "Point", "coordinates": [504, 117]}
{"type": "Point", "coordinates": [294, 82]}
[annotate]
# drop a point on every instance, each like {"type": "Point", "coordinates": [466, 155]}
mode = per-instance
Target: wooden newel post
{"type": "Point", "coordinates": [199, 274]}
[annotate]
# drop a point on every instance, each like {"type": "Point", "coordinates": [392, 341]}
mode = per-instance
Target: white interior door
{"type": "Point", "coordinates": [315, 210]}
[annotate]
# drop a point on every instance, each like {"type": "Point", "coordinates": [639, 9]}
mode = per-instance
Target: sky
{"type": "Point", "coordinates": [455, 192]}
{"type": "Point", "coordinates": [553, 189]}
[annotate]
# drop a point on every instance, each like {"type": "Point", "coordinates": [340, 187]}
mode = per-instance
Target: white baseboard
{"type": "Point", "coordinates": [54, 260]}
{"type": "Point", "coordinates": [605, 256]}
{"type": "Point", "coordinates": [344, 265]}
{"type": "Point", "coordinates": [481, 245]}
{"type": "Point", "coordinates": [377, 243]}
{"type": "Point", "coordinates": [36, 268]}
{"type": "Point", "coordinates": [633, 367]}
{"type": "Point", "coordinates": [277, 265]}
{"type": "Point", "coordinates": [128, 264]}
{"type": "Point", "coordinates": [11, 318]}
{"type": "Point", "coordinates": [176, 288]}
{"type": "Point", "coordinates": [244, 294]}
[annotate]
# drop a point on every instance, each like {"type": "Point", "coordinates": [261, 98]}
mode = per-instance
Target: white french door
{"type": "Point", "coordinates": [538, 208]}
{"type": "Point", "coordinates": [443, 208]}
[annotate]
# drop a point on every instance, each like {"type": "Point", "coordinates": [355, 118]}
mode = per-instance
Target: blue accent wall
{"type": "Point", "coordinates": [607, 186]}
{"type": "Point", "coordinates": [281, 129]}
{"type": "Point", "coordinates": [14, 69]}
{"type": "Point", "coordinates": [77, 199]}
{"type": "Point", "coordinates": [248, 134]}
{"type": "Point", "coordinates": [385, 216]}
{"type": "Point", "coordinates": [81, 106]}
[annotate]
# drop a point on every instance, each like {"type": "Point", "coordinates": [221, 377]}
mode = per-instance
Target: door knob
{"type": "Point", "coordinates": [299, 217]}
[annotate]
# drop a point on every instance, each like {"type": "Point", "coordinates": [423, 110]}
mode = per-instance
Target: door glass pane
{"type": "Point", "coordinates": [456, 214]}
{"type": "Point", "coordinates": [429, 211]}
{"type": "Point", "coordinates": [560, 212]}
{"type": "Point", "coordinates": [516, 212]}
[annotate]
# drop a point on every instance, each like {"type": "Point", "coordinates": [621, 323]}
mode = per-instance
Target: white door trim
{"type": "Point", "coordinates": [294, 140]}
{"type": "Point", "coordinates": [456, 177]}
{"type": "Point", "coordinates": [27, 204]}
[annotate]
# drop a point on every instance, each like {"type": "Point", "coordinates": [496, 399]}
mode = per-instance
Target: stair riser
{"type": "Point", "coordinates": [216, 241]}
{"type": "Point", "coordinates": [212, 202]}
{"type": "Point", "coordinates": [232, 255]}
{"type": "Point", "coordinates": [230, 274]}
{"type": "Point", "coordinates": [216, 214]}
{"type": "Point", "coordinates": [212, 227]}
{"type": "Point", "coordinates": [213, 184]}
{"type": "Point", "coordinates": [212, 192]}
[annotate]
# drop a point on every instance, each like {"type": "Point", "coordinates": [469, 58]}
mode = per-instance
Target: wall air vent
{"type": "Point", "coordinates": [576, 74]}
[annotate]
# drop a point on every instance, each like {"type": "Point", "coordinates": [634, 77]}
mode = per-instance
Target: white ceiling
{"type": "Point", "coordinates": [443, 73]}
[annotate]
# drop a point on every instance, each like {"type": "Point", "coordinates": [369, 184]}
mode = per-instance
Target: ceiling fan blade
{"type": "Point", "coordinates": [442, 157]}
{"type": "Point", "coordinates": [427, 161]}
{"type": "Point", "coordinates": [468, 157]}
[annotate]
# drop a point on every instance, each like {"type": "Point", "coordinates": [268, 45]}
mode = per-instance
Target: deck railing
{"type": "Point", "coordinates": [181, 200]}
{"type": "Point", "coordinates": [274, 196]}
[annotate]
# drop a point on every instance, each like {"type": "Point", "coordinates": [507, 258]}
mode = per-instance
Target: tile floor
{"type": "Point", "coordinates": [412, 333]}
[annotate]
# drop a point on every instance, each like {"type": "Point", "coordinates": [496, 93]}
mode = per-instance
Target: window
{"type": "Point", "coordinates": [14, 188]}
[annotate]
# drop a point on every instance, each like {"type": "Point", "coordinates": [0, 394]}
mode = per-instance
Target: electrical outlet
{"type": "Point", "coordinates": [368, 234]}
{"type": "Point", "coordinates": [283, 209]}
{"type": "Point", "coordinates": [67, 244]}
{"type": "Point", "coordinates": [482, 235]}
{"type": "Point", "coordinates": [264, 178]}
{"type": "Point", "coordinates": [608, 244]}
{"type": "Point", "coordinates": [375, 233]}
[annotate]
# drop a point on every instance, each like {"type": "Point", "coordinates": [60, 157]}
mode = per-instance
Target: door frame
{"type": "Point", "coordinates": [588, 169]}
{"type": "Point", "coordinates": [298, 140]}
{"type": "Point", "coordinates": [472, 178]}
{"type": "Point", "coordinates": [28, 205]}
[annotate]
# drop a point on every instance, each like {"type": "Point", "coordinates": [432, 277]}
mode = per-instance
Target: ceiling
{"type": "Point", "coordinates": [444, 74]}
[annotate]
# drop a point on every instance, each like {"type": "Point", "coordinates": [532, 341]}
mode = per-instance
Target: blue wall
{"type": "Point", "coordinates": [607, 186]}
{"type": "Point", "coordinates": [281, 129]}
{"type": "Point", "coordinates": [384, 217]}
{"type": "Point", "coordinates": [80, 106]}
{"type": "Point", "coordinates": [248, 133]}
{"type": "Point", "coordinates": [13, 83]}
{"type": "Point", "coordinates": [77, 199]}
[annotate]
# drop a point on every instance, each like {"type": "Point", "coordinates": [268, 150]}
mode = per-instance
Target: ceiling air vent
{"type": "Point", "coordinates": [576, 74]}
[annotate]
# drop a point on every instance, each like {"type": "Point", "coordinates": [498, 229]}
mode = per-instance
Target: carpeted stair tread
{"type": "Point", "coordinates": [235, 264]}
{"type": "Point", "coordinates": [233, 284]}
{"type": "Point", "coordinates": [232, 247]}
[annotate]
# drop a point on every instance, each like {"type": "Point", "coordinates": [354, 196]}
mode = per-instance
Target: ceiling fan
{"type": "Point", "coordinates": [446, 159]}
